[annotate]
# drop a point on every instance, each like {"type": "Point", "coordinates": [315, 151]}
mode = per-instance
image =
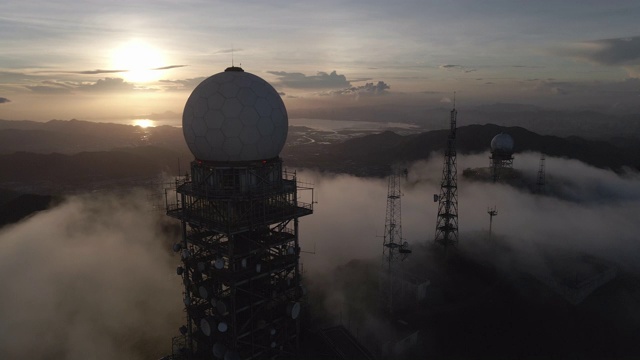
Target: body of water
{"type": "Point", "coordinates": [315, 124]}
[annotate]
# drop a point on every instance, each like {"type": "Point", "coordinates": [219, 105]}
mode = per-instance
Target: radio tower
{"type": "Point", "coordinates": [447, 223]}
{"type": "Point", "coordinates": [394, 249]}
{"type": "Point", "coordinates": [540, 182]}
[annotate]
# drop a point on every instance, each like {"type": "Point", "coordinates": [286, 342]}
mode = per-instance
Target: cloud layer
{"type": "Point", "coordinates": [591, 211]}
{"type": "Point", "coordinates": [90, 278]}
{"type": "Point", "coordinates": [321, 80]}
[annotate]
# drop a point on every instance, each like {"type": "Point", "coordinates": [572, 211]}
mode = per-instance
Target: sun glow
{"type": "Point", "coordinates": [138, 59]}
{"type": "Point", "coordinates": [144, 123]}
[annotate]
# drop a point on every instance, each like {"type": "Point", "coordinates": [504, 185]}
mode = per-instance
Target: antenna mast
{"type": "Point", "coordinates": [394, 248]}
{"type": "Point", "coordinates": [541, 181]}
{"type": "Point", "coordinates": [492, 212]}
{"type": "Point", "coordinates": [447, 222]}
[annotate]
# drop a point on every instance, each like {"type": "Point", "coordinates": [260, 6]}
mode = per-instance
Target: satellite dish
{"type": "Point", "coordinates": [218, 350]}
{"type": "Point", "coordinates": [204, 292]}
{"type": "Point", "coordinates": [273, 344]}
{"type": "Point", "coordinates": [221, 307]}
{"type": "Point", "coordinates": [180, 270]}
{"type": "Point", "coordinates": [291, 250]}
{"type": "Point", "coordinates": [293, 310]}
{"type": "Point", "coordinates": [231, 355]}
{"type": "Point", "coordinates": [186, 254]}
{"type": "Point", "coordinates": [272, 331]}
{"type": "Point", "coordinates": [202, 266]}
{"type": "Point", "coordinates": [206, 325]}
{"type": "Point", "coordinates": [258, 267]}
{"type": "Point", "coordinates": [244, 263]}
{"type": "Point", "coordinates": [223, 327]}
{"type": "Point", "coordinates": [177, 247]}
{"type": "Point", "coordinates": [219, 263]}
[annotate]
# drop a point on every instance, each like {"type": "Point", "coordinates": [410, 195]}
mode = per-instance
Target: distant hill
{"type": "Point", "coordinates": [75, 136]}
{"type": "Point", "coordinates": [374, 154]}
{"type": "Point", "coordinates": [370, 155]}
{"type": "Point", "coordinates": [58, 171]}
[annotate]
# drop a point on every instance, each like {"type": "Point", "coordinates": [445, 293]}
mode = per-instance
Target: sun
{"type": "Point", "coordinates": [144, 123]}
{"type": "Point", "coordinates": [139, 59]}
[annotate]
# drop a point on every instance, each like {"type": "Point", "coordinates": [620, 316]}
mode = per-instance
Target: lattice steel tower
{"type": "Point", "coordinates": [394, 248]}
{"type": "Point", "coordinates": [239, 214]}
{"type": "Point", "coordinates": [541, 181]}
{"type": "Point", "coordinates": [447, 222]}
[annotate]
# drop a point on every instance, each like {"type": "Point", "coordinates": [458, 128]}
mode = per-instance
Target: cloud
{"type": "Point", "coordinates": [359, 79]}
{"type": "Point", "coordinates": [452, 67]}
{"type": "Point", "coordinates": [105, 71]}
{"type": "Point", "coordinates": [93, 72]}
{"type": "Point", "coordinates": [107, 85]}
{"type": "Point", "coordinates": [227, 51]}
{"type": "Point", "coordinates": [169, 67]}
{"type": "Point", "coordinates": [43, 89]}
{"type": "Point", "coordinates": [368, 89]}
{"type": "Point", "coordinates": [619, 51]}
{"type": "Point", "coordinates": [95, 275]}
{"type": "Point", "coordinates": [623, 52]}
{"type": "Point", "coordinates": [592, 210]}
{"type": "Point", "coordinates": [4, 100]}
{"type": "Point", "coordinates": [182, 84]}
{"type": "Point", "coordinates": [320, 81]}
{"type": "Point", "coordinates": [102, 85]}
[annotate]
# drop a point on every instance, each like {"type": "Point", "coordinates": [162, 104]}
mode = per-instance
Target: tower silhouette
{"type": "Point", "coordinates": [447, 222]}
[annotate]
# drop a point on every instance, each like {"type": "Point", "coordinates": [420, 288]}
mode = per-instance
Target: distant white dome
{"type": "Point", "coordinates": [235, 116]}
{"type": "Point", "coordinates": [502, 142]}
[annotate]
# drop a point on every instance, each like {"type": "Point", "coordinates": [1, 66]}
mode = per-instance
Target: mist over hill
{"type": "Point", "coordinates": [590, 123]}
{"type": "Point", "coordinates": [372, 155]}
{"type": "Point", "coordinates": [71, 156]}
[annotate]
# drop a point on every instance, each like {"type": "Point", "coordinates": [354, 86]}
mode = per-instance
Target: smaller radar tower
{"type": "Point", "coordinates": [501, 155]}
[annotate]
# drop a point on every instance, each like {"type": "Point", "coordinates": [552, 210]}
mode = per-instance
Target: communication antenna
{"type": "Point", "coordinates": [447, 222]}
{"type": "Point", "coordinates": [394, 249]}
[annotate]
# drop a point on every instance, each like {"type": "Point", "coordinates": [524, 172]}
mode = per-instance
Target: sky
{"type": "Point", "coordinates": [99, 60]}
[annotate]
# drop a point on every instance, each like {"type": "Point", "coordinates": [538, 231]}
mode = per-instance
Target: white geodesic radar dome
{"type": "Point", "coordinates": [235, 116]}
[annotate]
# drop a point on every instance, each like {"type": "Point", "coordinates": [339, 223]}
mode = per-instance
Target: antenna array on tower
{"type": "Point", "coordinates": [447, 223]}
{"type": "Point", "coordinates": [394, 249]}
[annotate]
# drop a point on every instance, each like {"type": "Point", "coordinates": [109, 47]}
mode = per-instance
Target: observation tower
{"type": "Point", "coordinates": [239, 215]}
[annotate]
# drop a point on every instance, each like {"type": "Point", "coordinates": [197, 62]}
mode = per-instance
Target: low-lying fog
{"type": "Point", "coordinates": [94, 277]}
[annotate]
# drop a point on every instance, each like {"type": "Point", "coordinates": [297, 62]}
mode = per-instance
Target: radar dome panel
{"type": "Point", "coordinates": [502, 143]}
{"type": "Point", "coordinates": [235, 116]}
